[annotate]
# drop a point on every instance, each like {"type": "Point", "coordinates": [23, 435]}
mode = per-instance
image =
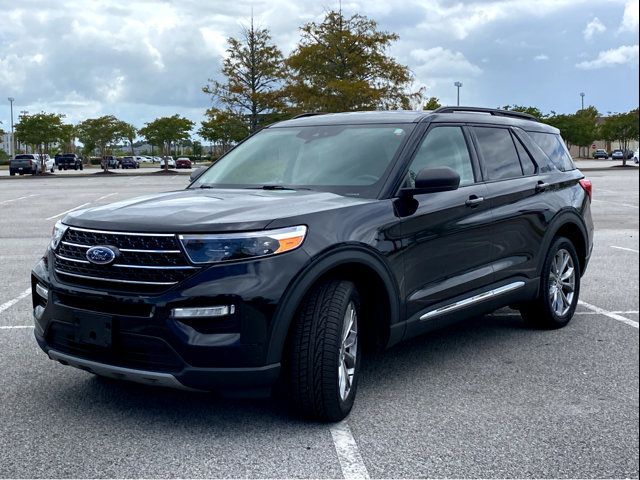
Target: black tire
{"type": "Point", "coordinates": [540, 313]}
{"type": "Point", "coordinates": [81, 166]}
{"type": "Point", "coordinates": [12, 173]}
{"type": "Point", "coordinates": [316, 352]}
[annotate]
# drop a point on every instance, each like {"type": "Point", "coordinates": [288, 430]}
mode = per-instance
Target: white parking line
{"type": "Point", "coordinates": [67, 211]}
{"type": "Point", "coordinates": [19, 198]}
{"type": "Point", "coordinates": [606, 313]}
{"type": "Point", "coordinates": [346, 447]}
{"type": "Point", "coordinates": [106, 196]}
{"type": "Point", "coordinates": [615, 203]}
{"type": "Point", "coordinates": [624, 248]}
{"type": "Point", "coordinates": [15, 327]}
{"type": "Point", "coordinates": [11, 303]}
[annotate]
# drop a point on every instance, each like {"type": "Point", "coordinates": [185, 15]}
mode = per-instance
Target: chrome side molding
{"type": "Point", "coordinates": [472, 300]}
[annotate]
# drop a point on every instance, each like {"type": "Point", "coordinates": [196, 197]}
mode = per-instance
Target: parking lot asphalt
{"type": "Point", "coordinates": [485, 398]}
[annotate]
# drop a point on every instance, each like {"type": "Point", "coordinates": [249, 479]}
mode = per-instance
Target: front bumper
{"type": "Point", "coordinates": [147, 345]}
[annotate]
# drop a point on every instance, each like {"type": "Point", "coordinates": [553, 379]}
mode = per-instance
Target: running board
{"type": "Point", "coordinates": [472, 300]}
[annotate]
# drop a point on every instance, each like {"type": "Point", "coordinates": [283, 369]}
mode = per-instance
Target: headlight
{"type": "Point", "coordinates": [58, 231]}
{"type": "Point", "coordinates": [237, 246]}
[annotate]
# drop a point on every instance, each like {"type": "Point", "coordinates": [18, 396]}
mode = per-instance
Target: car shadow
{"type": "Point", "coordinates": [102, 398]}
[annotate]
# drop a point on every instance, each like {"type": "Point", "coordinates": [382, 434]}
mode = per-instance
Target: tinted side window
{"type": "Point", "coordinates": [528, 166]}
{"type": "Point", "coordinates": [553, 145]}
{"type": "Point", "coordinates": [498, 153]}
{"type": "Point", "coordinates": [443, 147]}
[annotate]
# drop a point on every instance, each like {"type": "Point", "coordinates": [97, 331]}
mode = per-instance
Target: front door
{"type": "Point", "coordinates": [448, 247]}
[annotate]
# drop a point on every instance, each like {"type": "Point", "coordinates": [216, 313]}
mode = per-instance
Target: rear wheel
{"type": "Point", "coordinates": [559, 288]}
{"type": "Point", "coordinates": [12, 173]}
{"type": "Point", "coordinates": [325, 352]}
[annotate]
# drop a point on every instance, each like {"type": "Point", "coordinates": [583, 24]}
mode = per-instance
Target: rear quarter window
{"type": "Point", "coordinates": [554, 147]}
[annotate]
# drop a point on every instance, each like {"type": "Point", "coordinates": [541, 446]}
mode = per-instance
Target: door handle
{"type": "Point", "coordinates": [541, 186]}
{"type": "Point", "coordinates": [474, 201]}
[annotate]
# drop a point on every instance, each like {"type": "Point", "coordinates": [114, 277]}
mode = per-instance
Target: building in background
{"type": "Point", "coordinates": [5, 144]}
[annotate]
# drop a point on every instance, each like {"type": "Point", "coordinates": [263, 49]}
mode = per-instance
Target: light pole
{"type": "Point", "coordinates": [458, 85]}
{"type": "Point", "coordinates": [12, 148]}
{"type": "Point", "coordinates": [582, 99]}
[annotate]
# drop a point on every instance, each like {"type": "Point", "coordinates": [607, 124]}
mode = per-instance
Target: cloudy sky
{"type": "Point", "coordinates": [142, 59]}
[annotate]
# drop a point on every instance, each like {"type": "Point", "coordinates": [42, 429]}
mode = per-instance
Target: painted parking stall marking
{"type": "Point", "coordinates": [349, 456]}
{"type": "Point", "coordinates": [67, 211]}
{"type": "Point", "coordinates": [11, 303]}
{"type": "Point", "coordinates": [19, 198]}
{"type": "Point", "coordinates": [606, 313]}
{"type": "Point", "coordinates": [624, 248]}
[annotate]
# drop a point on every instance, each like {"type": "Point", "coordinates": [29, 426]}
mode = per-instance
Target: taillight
{"type": "Point", "coordinates": [586, 186]}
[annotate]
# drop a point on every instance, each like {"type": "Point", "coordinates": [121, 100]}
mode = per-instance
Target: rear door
{"type": "Point", "coordinates": [519, 196]}
{"type": "Point", "coordinates": [447, 241]}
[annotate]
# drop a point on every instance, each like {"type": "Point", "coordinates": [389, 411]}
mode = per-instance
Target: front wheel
{"type": "Point", "coordinates": [325, 352]}
{"type": "Point", "coordinates": [559, 288]}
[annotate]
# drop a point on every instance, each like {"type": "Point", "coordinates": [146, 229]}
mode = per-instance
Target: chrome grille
{"type": "Point", "coordinates": [146, 262]}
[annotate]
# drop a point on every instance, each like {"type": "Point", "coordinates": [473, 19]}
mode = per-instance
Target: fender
{"type": "Point", "coordinates": [562, 218]}
{"type": "Point", "coordinates": [304, 281]}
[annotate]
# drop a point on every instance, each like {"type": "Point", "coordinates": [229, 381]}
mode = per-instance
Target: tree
{"type": "Point", "coordinates": [579, 129]}
{"type": "Point", "coordinates": [102, 133]}
{"type": "Point", "coordinates": [197, 149]}
{"type": "Point", "coordinates": [40, 130]}
{"type": "Point", "coordinates": [341, 65]}
{"type": "Point", "coordinates": [129, 132]}
{"type": "Point", "coordinates": [623, 128]}
{"type": "Point", "coordinates": [164, 131]}
{"type": "Point", "coordinates": [432, 104]}
{"type": "Point", "coordinates": [67, 137]}
{"type": "Point", "coordinates": [223, 128]}
{"type": "Point", "coordinates": [533, 111]}
{"type": "Point", "coordinates": [253, 71]}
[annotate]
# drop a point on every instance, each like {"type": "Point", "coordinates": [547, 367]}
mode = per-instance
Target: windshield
{"type": "Point", "coordinates": [344, 159]}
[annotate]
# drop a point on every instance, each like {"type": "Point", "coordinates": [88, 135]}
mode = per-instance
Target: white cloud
{"type": "Point", "coordinates": [623, 55]}
{"type": "Point", "coordinates": [443, 63]}
{"type": "Point", "coordinates": [629, 17]}
{"type": "Point", "coordinates": [593, 27]}
{"type": "Point", "coordinates": [541, 58]}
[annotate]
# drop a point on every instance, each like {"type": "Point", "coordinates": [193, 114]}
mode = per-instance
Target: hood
{"type": "Point", "coordinates": [206, 210]}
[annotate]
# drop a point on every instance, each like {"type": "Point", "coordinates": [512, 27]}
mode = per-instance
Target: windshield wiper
{"type": "Point", "coordinates": [276, 187]}
{"type": "Point", "coordinates": [204, 185]}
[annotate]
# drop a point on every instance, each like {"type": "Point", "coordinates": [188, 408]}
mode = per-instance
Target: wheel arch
{"type": "Point", "coordinates": [372, 277]}
{"type": "Point", "coordinates": [569, 224]}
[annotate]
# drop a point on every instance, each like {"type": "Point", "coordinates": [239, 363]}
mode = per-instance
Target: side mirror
{"type": "Point", "coordinates": [431, 180]}
{"type": "Point", "coordinates": [197, 173]}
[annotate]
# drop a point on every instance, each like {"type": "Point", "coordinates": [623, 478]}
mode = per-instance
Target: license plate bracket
{"type": "Point", "coordinates": [94, 329]}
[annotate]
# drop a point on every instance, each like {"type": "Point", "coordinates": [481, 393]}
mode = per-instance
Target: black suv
{"type": "Point", "coordinates": [312, 240]}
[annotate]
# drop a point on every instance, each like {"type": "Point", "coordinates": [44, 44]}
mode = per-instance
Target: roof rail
{"type": "Point", "coordinates": [307, 114]}
{"type": "Point", "coordinates": [491, 111]}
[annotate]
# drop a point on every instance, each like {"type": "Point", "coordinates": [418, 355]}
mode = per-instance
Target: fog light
{"type": "Point", "coordinates": [219, 311]}
{"type": "Point", "coordinates": [43, 292]}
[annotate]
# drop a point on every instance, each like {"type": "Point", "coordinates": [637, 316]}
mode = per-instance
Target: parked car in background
{"type": "Point", "coordinates": [111, 161]}
{"type": "Point", "coordinates": [183, 162]}
{"type": "Point", "coordinates": [617, 155]}
{"type": "Point", "coordinates": [600, 153]}
{"type": "Point", "coordinates": [157, 159]}
{"type": "Point", "coordinates": [130, 162]}
{"type": "Point", "coordinates": [67, 161]}
{"type": "Point", "coordinates": [143, 159]}
{"type": "Point", "coordinates": [169, 160]}
{"type": "Point", "coordinates": [636, 155]}
{"type": "Point", "coordinates": [24, 163]}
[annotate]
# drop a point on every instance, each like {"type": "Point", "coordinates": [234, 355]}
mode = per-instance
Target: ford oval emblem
{"type": "Point", "coordinates": [101, 255]}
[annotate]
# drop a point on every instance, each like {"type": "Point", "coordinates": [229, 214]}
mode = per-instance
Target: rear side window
{"type": "Point", "coordinates": [553, 145]}
{"type": "Point", "coordinates": [498, 152]}
{"type": "Point", "coordinates": [24, 157]}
